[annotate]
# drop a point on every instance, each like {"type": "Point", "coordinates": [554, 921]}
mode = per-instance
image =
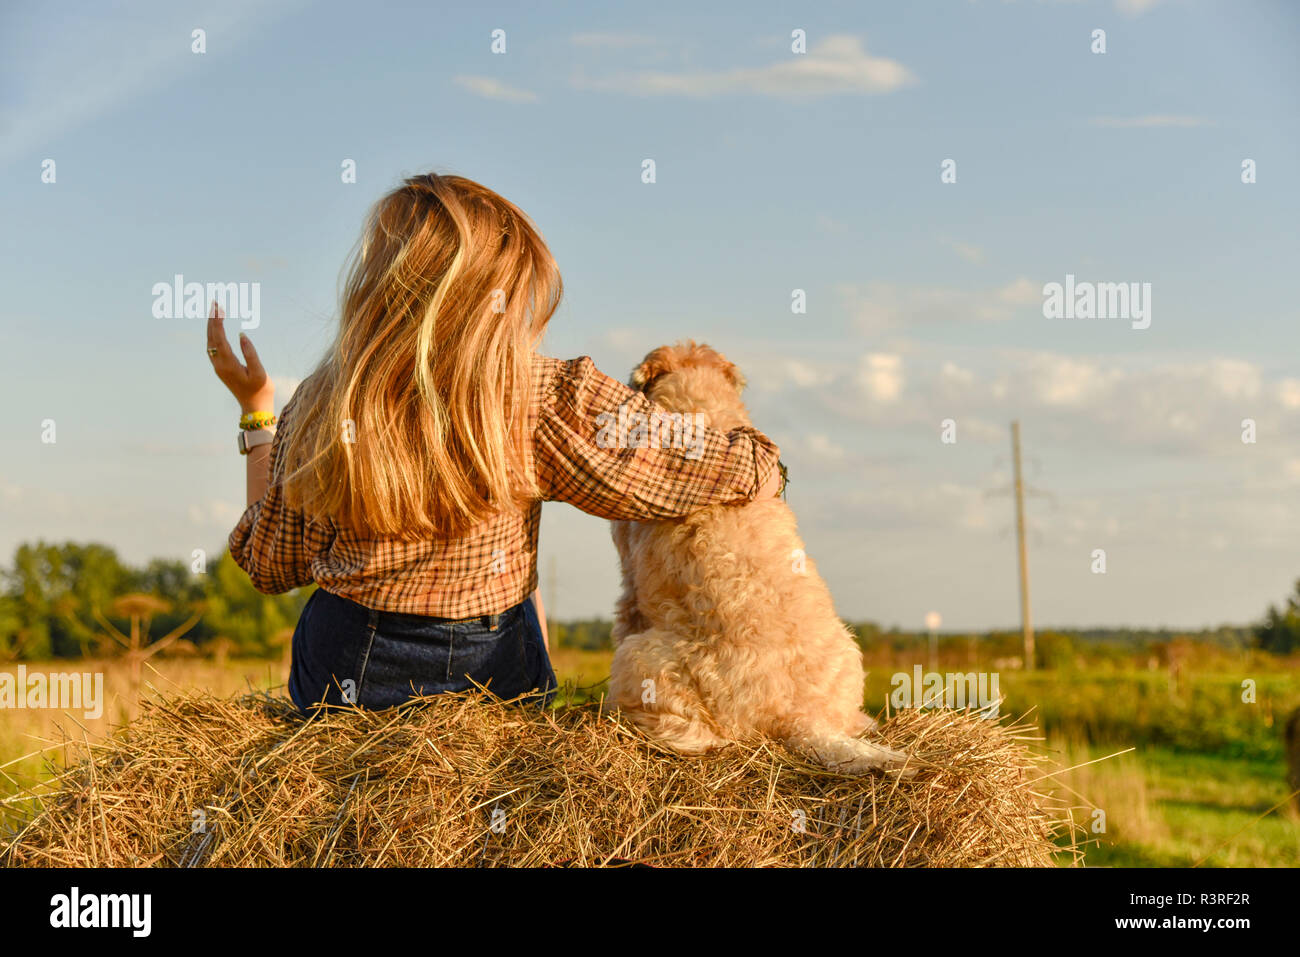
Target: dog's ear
{"type": "Point", "coordinates": [655, 364]}
{"type": "Point", "coordinates": [732, 372]}
{"type": "Point", "coordinates": [707, 355]}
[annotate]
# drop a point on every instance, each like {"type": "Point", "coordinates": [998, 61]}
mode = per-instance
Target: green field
{"type": "Point", "coordinates": [1195, 809]}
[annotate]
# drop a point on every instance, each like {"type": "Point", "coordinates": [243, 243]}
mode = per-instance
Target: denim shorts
{"type": "Point", "coordinates": [347, 654]}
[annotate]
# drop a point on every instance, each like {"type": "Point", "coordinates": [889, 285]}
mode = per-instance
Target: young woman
{"type": "Point", "coordinates": [405, 476]}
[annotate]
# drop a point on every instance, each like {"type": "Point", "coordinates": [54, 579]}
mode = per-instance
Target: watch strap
{"type": "Point", "coordinates": [252, 438]}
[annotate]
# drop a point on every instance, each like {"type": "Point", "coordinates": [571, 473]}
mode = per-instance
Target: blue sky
{"type": "Point", "coordinates": [775, 171]}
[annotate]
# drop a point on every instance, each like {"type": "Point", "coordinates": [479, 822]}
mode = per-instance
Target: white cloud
{"type": "Point", "coordinates": [967, 251]}
{"type": "Point", "coordinates": [10, 494]}
{"type": "Point", "coordinates": [837, 65]}
{"type": "Point", "coordinates": [767, 372]}
{"type": "Point", "coordinates": [1057, 380]}
{"type": "Point", "coordinates": [1150, 120]}
{"type": "Point", "coordinates": [952, 372]}
{"type": "Point", "coordinates": [878, 306]}
{"type": "Point", "coordinates": [632, 342]}
{"type": "Point", "coordinates": [1133, 405]}
{"type": "Point", "coordinates": [937, 505]}
{"type": "Point", "coordinates": [822, 449]}
{"type": "Point", "coordinates": [215, 512]}
{"type": "Point", "coordinates": [880, 376]}
{"type": "Point", "coordinates": [490, 88]}
{"type": "Point", "coordinates": [973, 428]}
{"type": "Point", "coordinates": [1021, 292]}
{"type": "Point", "coordinates": [285, 386]}
{"type": "Point", "coordinates": [803, 373]}
{"type": "Point", "coordinates": [1134, 8]}
{"type": "Point", "coordinates": [1288, 393]}
{"type": "Point", "coordinates": [1234, 378]}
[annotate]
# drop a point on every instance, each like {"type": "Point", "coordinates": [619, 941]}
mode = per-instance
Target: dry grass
{"type": "Point", "coordinates": [1114, 785]}
{"type": "Point", "coordinates": [26, 734]}
{"type": "Point", "coordinates": [198, 780]}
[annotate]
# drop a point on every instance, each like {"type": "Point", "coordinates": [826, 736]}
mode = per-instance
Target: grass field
{"type": "Point", "coordinates": [1201, 774]}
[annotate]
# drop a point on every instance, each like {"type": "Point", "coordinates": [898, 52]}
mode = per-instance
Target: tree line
{"type": "Point", "coordinates": [55, 600]}
{"type": "Point", "coordinates": [75, 600]}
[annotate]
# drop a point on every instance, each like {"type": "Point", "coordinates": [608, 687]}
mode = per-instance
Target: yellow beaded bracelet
{"type": "Point", "coordinates": [251, 421]}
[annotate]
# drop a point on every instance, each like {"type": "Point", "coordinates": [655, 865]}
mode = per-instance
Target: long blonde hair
{"type": "Point", "coordinates": [413, 425]}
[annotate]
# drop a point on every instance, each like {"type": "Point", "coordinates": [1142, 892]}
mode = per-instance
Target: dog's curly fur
{"type": "Point", "coordinates": [725, 631]}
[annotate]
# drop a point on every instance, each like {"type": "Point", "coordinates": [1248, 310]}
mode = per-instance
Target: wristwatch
{"type": "Point", "coordinates": [251, 438]}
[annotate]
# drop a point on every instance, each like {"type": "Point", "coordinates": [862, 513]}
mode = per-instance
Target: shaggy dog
{"type": "Point", "coordinates": [725, 631]}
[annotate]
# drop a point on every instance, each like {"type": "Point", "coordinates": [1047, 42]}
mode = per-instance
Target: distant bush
{"type": "Point", "coordinates": [1204, 713]}
{"type": "Point", "coordinates": [1280, 631]}
{"type": "Point", "coordinates": [589, 634]}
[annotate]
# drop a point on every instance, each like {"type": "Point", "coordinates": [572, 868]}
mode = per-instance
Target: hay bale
{"type": "Point", "coordinates": [204, 781]}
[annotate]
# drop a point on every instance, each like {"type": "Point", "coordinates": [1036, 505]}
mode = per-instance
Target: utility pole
{"type": "Point", "coordinates": [1026, 623]}
{"type": "Point", "coordinates": [932, 622]}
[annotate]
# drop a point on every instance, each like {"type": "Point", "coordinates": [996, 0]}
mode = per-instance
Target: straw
{"type": "Point", "coordinates": [458, 780]}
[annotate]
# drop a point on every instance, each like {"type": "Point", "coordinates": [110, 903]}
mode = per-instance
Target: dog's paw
{"type": "Point", "coordinates": [848, 755]}
{"type": "Point", "coordinates": [877, 757]}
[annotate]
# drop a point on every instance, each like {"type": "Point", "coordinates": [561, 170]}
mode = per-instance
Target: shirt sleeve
{"type": "Point", "coordinates": [591, 451]}
{"type": "Point", "coordinates": [272, 542]}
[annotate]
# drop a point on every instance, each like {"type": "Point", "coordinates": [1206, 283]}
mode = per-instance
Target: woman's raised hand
{"type": "Point", "coordinates": [247, 380]}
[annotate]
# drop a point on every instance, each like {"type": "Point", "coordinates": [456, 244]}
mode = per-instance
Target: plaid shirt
{"type": "Point", "coordinates": [494, 566]}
